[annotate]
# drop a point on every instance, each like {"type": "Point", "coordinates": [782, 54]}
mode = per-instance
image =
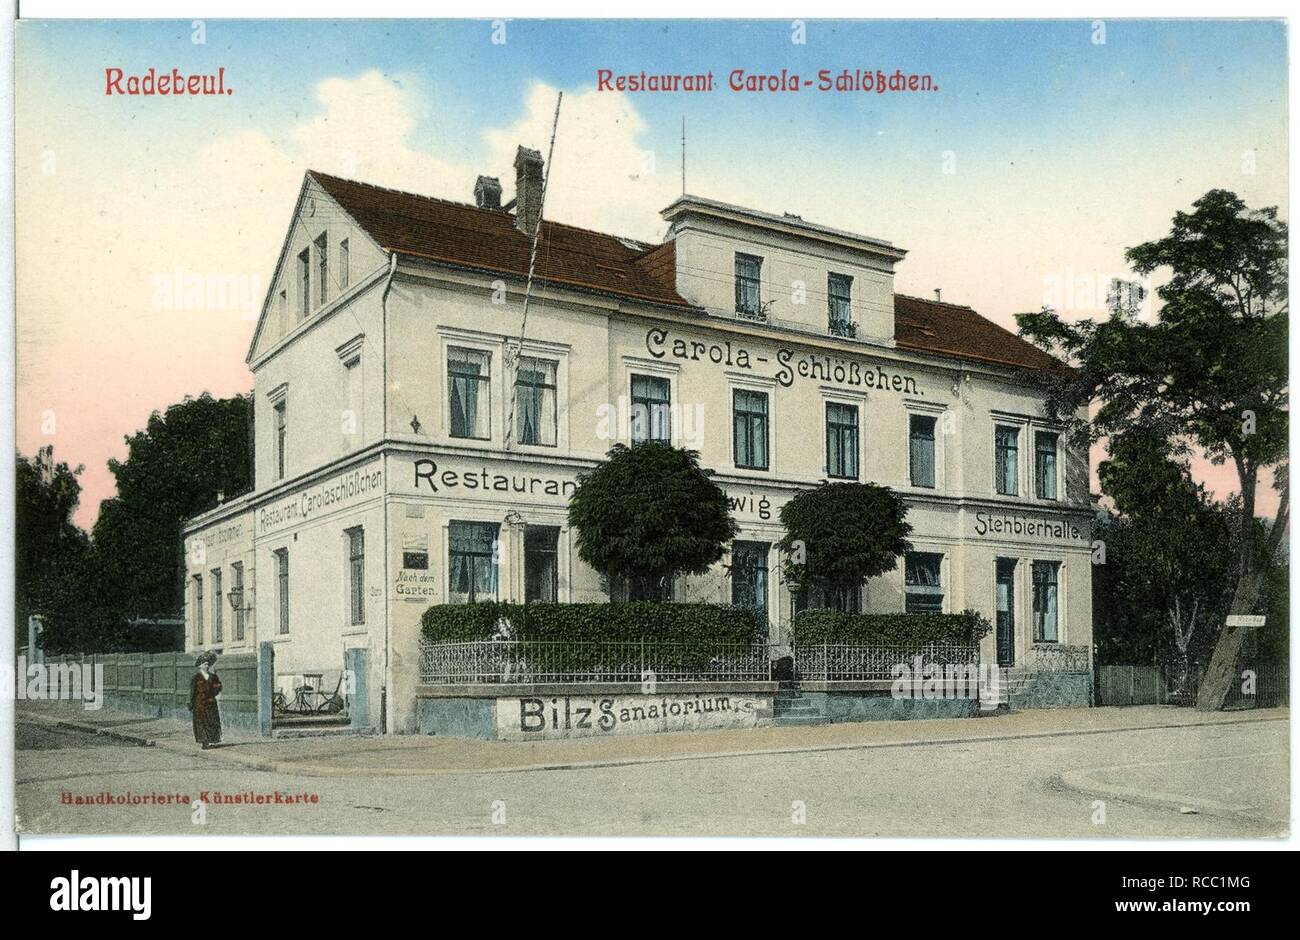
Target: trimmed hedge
{"type": "Point", "coordinates": [632, 620]}
{"type": "Point", "coordinates": [811, 627]}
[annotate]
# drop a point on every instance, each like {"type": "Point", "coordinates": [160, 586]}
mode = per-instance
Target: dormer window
{"type": "Point", "coordinates": [748, 299]}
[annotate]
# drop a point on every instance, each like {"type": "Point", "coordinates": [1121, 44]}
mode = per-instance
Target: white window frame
{"type": "Point", "coordinates": [199, 597]}
{"type": "Point", "coordinates": [494, 346]}
{"type": "Point", "coordinates": [351, 358]}
{"type": "Point", "coordinates": [283, 594]}
{"type": "Point", "coordinates": [1062, 599]}
{"type": "Point", "coordinates": [1036, 428]}
{"type": "Point", "coordinates": [303, 258]}
{"type": "Point", "coordinates": [750, 383]}
{"type": "Point", "coordinates": [1022, 427]}
{"type": "Point", "coordinates": [279, 398]}
{"type": "Point", "coordinates": [940, 414]}
{"type": "Point", "coordinates": [636, 365]}
{"type": "Point", "coordinates": [320, 255]}
{"type": "Point", "coordinates": [217, 579]}
{"type": "Point", "coordinates": [840, 397]}
{"type": "Point", "coordinates": [945, 571]}
{"type": "Point", "coordinates": [350, 625]}
{"type": "Point", "coordinates": [500, 552]}
{"type": "Point", "coordinates": [559, 354]}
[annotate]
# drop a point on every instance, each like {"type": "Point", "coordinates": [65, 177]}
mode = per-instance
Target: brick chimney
{"type": "Point", "coordinates": [487, 192]}
{"type": "Point", "coordinates": [528, 189]}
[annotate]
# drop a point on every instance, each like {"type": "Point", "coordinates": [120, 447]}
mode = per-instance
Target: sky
{"type": "Point", "coordinates": [1046, 150]}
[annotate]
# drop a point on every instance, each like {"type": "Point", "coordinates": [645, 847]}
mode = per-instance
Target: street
{"type": "Point", "coordinates": [1235, 777]}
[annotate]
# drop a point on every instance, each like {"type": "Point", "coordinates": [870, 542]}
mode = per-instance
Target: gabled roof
{"type": "Point", "coordinates": [466, 236]}
{"type": "Point", "coordinates": [937, 328]}
{"type": "Point", "coordinates": [487, 240]}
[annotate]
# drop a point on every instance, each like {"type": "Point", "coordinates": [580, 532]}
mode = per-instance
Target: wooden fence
{"type": "Point", "coordinates": [159, 683]}
{"type": "Point", "coordinates": [1265, 686]}
{"type": "Point", "coordinates": [1130, 685]}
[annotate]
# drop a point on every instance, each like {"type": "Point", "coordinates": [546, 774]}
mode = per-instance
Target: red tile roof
{"type": "Point", "coordinates": [937, 328]}
{"type": "Point", "coordinates": [485, 239]}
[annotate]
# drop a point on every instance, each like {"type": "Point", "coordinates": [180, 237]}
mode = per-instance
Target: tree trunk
{"type": "Point", "coordinates": [1221, 672]}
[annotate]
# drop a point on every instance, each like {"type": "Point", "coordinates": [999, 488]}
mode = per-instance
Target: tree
{"type": "Point", "coordinates": [53, 567]}
{"type": "Point", "coordinates": [648, 514]}
{"type": "Point", "coordinates": [175, 468]}
{"type": "Point", "coordinates": [1209, 373]}
{"type": "Point", "coordinates": [839, 535]}
{"type": "Point", "coordinates": [1161, 593]}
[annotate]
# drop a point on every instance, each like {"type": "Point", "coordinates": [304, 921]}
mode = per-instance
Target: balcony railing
{"type": "Point", "coordinates": [840, 329]}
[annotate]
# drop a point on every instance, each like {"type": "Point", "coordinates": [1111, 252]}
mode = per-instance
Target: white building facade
{"type": "Point", "coordinates": [417, 440]}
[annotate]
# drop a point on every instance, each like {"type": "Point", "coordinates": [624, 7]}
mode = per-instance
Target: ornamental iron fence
{"type": "Point", "coordinates": [847, 662]}
{"type": "Point", "coordinates": [1054, 657]}
{"type": "Point", "coordinates": [611, 661]}
{"type": "Point", "coordinates": [591, 661]}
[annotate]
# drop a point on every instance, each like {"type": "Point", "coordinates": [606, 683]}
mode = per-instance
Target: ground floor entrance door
{"type": "Point", "coordinates": [1006, 611]}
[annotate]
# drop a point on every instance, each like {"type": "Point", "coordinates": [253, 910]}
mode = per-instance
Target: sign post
{"type": "Point", "coordinates": [1246, 621]}
{"type": "Point", "coordinates": [35, 630]}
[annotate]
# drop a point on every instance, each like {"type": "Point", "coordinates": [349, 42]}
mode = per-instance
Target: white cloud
{"type": "Point", "coordinates": [603, 176]}
{"type": "Point", "coordinates": [123, 210]}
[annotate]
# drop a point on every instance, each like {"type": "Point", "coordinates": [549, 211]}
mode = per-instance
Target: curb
{"type": "Point", "coordinates": [1083, 783]}
{"type": "Point", "coordinates": [123, 736]}
{"type": "Point", "coordinates": [272, 765]}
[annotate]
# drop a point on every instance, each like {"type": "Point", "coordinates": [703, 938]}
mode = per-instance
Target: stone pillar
{"type": "Point", "coordinates": [265, 686]}
{"type": "Point", "coordinates": [511, 571]}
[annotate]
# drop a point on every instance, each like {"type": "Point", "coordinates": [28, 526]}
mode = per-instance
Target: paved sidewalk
{"type": "Point", "coordinates": [399, 755]}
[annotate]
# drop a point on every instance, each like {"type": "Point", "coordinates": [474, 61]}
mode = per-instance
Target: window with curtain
{"type": "Point", "coordinates": [472, 563]}
{"type": "Point", "coordinates": [839, 292]}
{"type": "Point", "coordinates": [920, 449]}
{"type": "Point", "coordinates": [217, 600]}
{"type": "Point", "coordinates": [1045, 464]}
{"type": "Point", "coordinates": [357, 575]}
{"type": "Point", "coordinates": [749, 575]}
{"type": "Point", "coordinates": [469, 392]}
{"type": "Point", "coordinates": [923, 582]}
{"type": "Point", "coordinates": [841, 440]}
{"type": "Point", "coordinates": [748, 279]}
{"type": "Point", "coordinates": [750, 419]}
{"type": "Point", "coordinates": [535, 403]}
{"type": "Point", "coordinates": [651, 409]}
{"type": "Point", "coordinates": [1046, 575]}
{"type": "Point", "coordinates": [541, 563]}
{"type": "Point", "coordinates": [1006, 459]}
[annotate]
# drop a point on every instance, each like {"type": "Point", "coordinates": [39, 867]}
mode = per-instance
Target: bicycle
{"type": "Point", "coordinates": [310, 700]}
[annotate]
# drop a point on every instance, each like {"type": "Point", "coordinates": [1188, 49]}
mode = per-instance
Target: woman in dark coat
{"type": "Point", "coordinates": [204, 689]}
